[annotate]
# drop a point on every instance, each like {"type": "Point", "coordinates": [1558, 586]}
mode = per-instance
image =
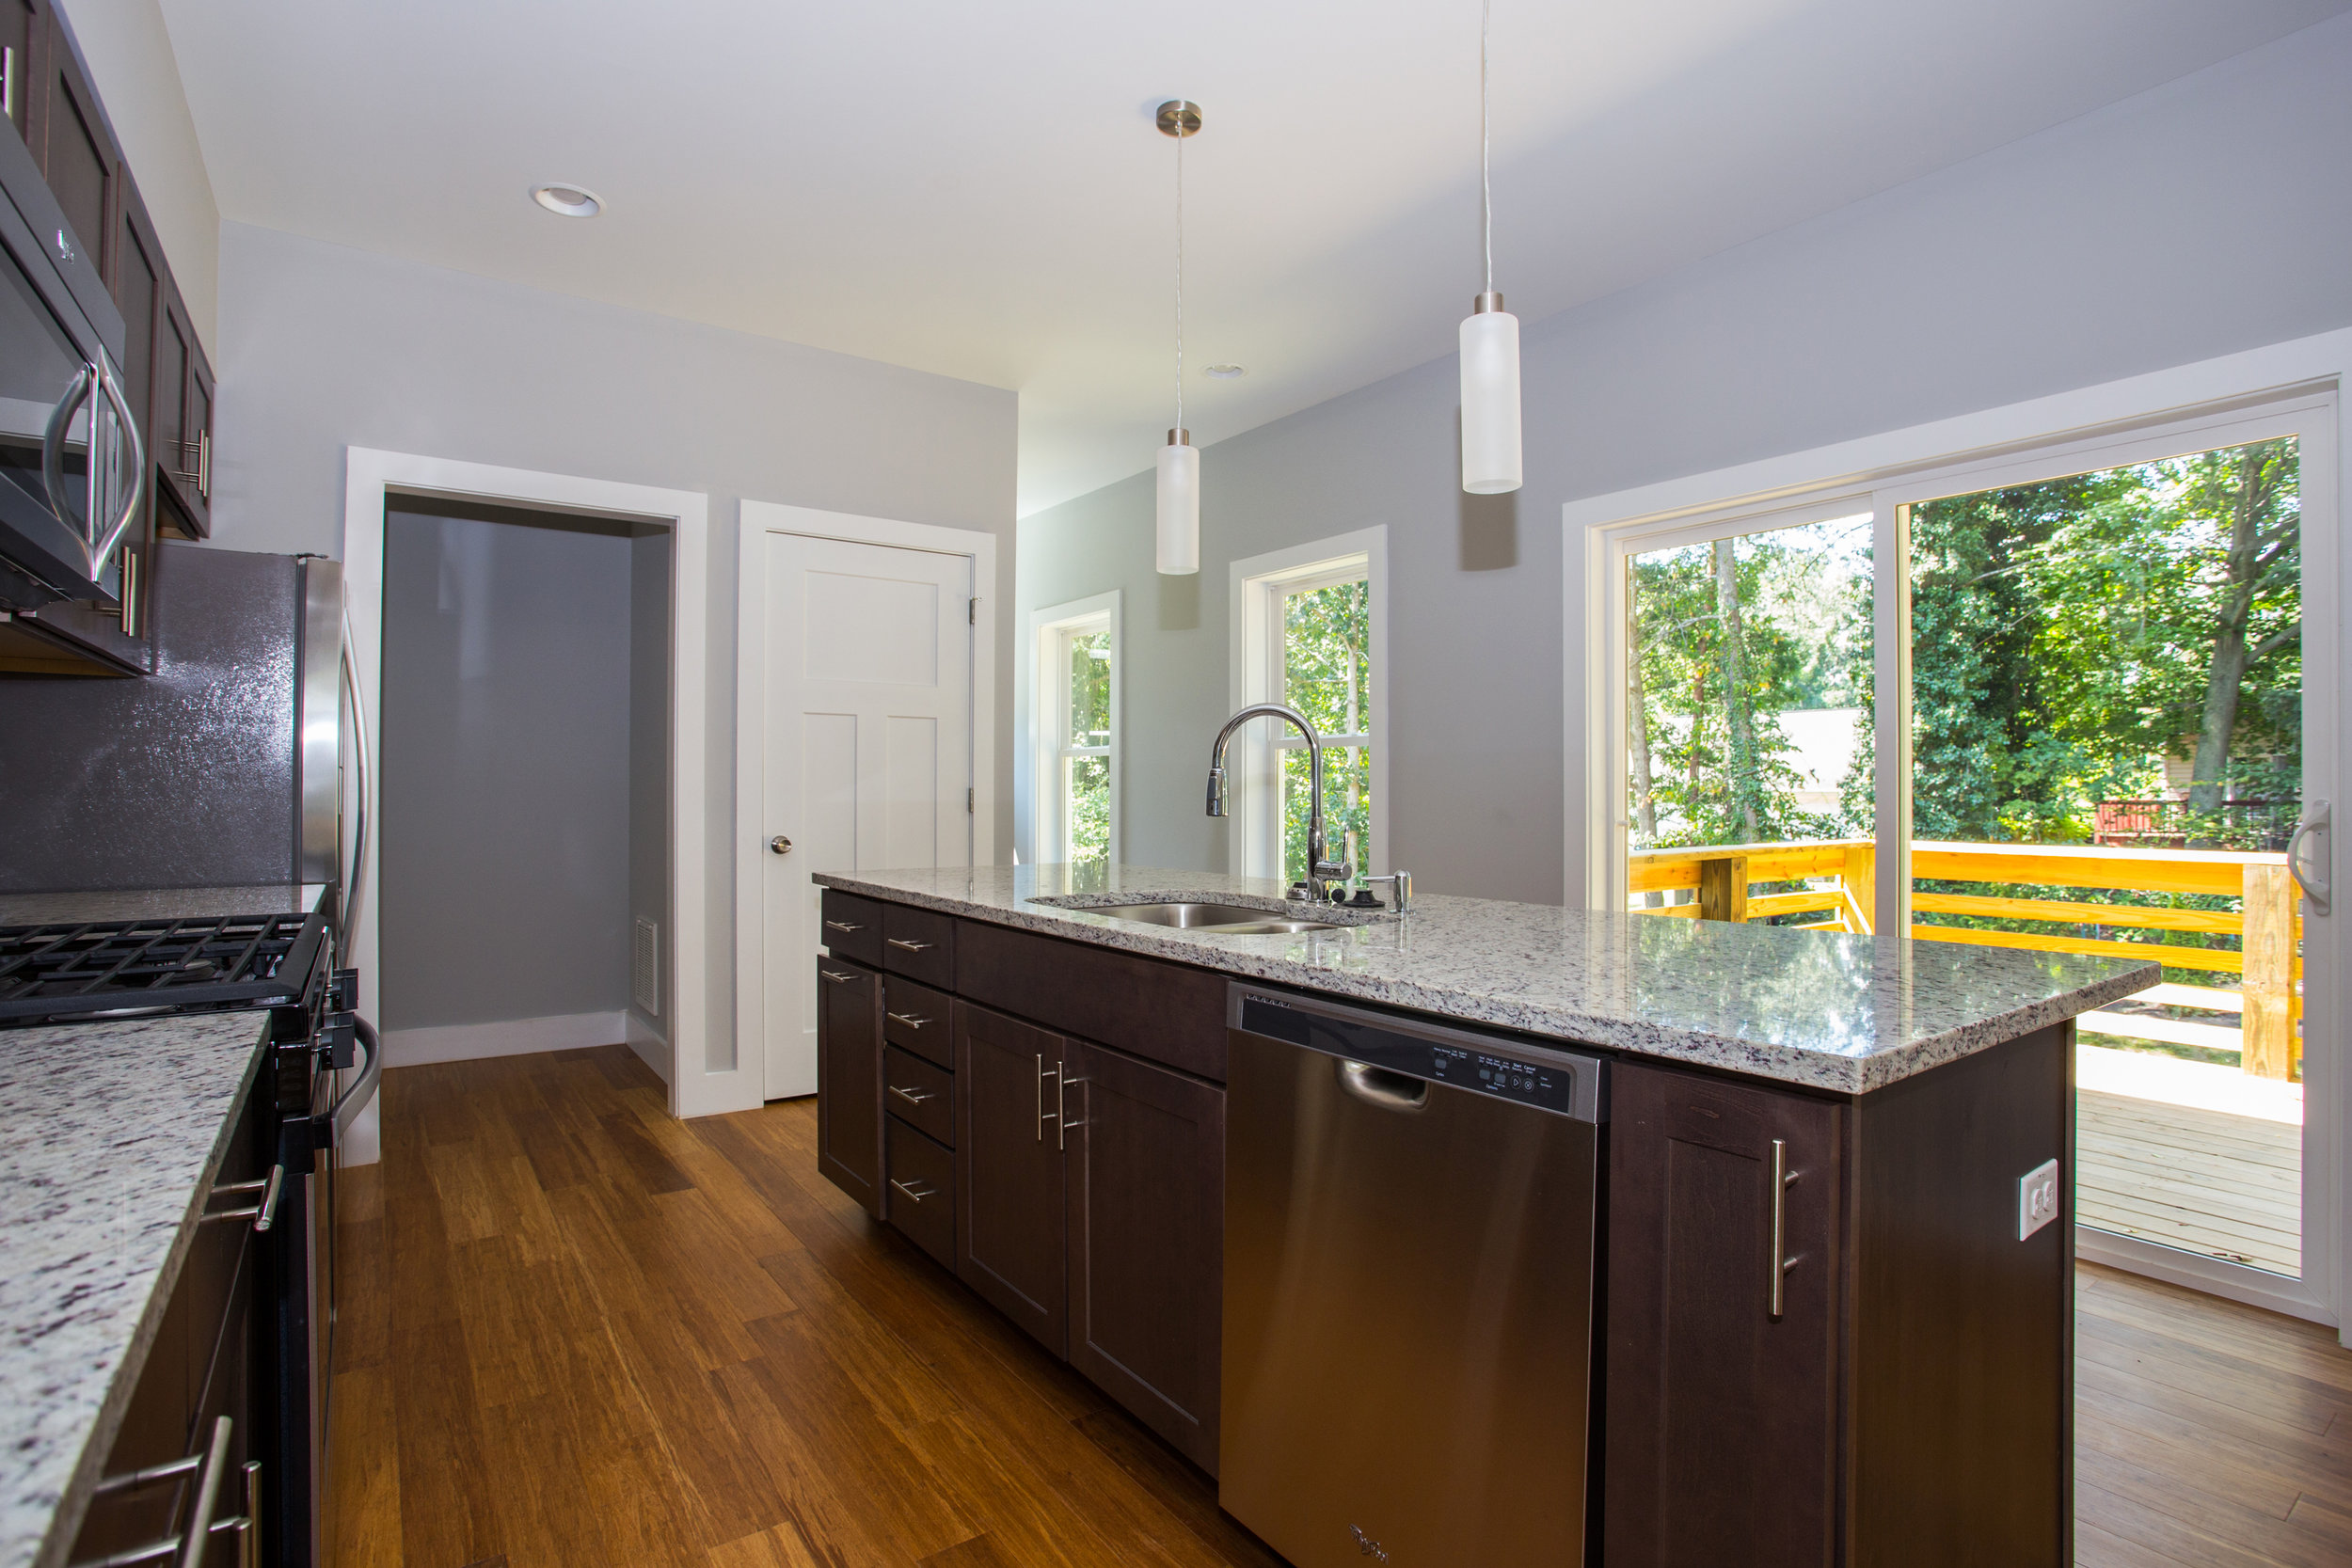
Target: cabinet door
{"type": "Point", "coordinates": [77, 156]}
{"type": "Point", "coordinates": [1720, 1415]}
{"type": "Point", "coordinates": [22, 22]}
{"type": "Point", "coordinates": [1010, 1245]}
{"type": "Point", "coordinates": [180, 430]}
{"type": "Point", "coordinates": [850, 1079]}
{"type": "Point", "coordinates": [1146, 1172]}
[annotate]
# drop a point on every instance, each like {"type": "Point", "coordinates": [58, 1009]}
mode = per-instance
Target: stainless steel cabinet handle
{"type": "Point", "coordinates": [928, 1192]}
{"type": "Point", "coordinates": [909, 1020]}
{"type": "Point", "coordinates": [1042, 1071]}
{"type": "Point", "coordinates": [837, 979]}
{"type": "Point", "coordinates": [1783, 1178]}
{"type": "Point", "coordinates": [911, 1097]}
{"type": "Point", "coordinates": [264, 1213]}
{"type": "Point", "coordinates": [843, 926]}
{"type": "Point", "coordinates": [910, 947]}
{"type": "Point", "coordinates": [1063, 1126]}
{"type": "Point", "coordinates": [186, 1549]}
{"type": "Point", "coordinates": [783, 846]}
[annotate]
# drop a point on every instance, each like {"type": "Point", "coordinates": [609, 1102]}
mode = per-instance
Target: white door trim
{"type": "Point", "coordinates": [750, 722]}
{"type": "Point", "coordinates": [696, 1088]}
{"type": "Point", "coordinates": [1880, 465]}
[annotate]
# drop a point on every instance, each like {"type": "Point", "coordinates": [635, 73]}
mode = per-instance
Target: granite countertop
{"type": "Point", "coordinates": [1821, 1008]}
{"type": "Point", "coordinates": [166, 903]}
{"type": "Point", "coordinates": [110, 1135]}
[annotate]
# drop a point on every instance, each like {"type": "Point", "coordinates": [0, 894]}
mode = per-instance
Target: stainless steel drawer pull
{"type": "Point", "coordinates": [910, 1019]}
{"type": "Point", "coordinates": [843, 926]}
{"type": "Point", "coordinates": [264, 1213]}
{"type": "Point", "coordinates": [928, 1192]}
{"type": "Point", "coordinates": [1783, 1178]}
{"type": "Point", "coordinates": [911, 1097]}
{"type": "Point", "coordinates": [836, 977]}
{"type": "Point", "coordinates": [910, 947]}
{"type": "Point", "coordinates": [186, 1549]}
{"type": "Point", "coordinates": [1043, 1071]}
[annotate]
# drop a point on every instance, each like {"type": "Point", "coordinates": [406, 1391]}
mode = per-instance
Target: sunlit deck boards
{"type": "Point", "coordinates": [2228, 1186]}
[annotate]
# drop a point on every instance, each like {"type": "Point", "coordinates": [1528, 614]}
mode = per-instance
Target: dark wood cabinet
{"type": "Point", "coordinates": [921, 1196]}
{"type": "Point", "coordinates": [853, 927]}
{"type": "Point", "coordinates": [920, 945]}
{"type": "Point", "coordinates": [180, 447]}
{"type": "Point", "coordinates": [1145, 1169]}
{"type": "Point", "coordinates": [23, 25]}
{"type": "Point", "coordinates": [75, 147]}
{"type": "Point", "coordinates": [850, 1080]}
{"type": "Point", "coordinates": [1010, 1242]}
{"type": "Point", "coordinates": [1720, 1420]}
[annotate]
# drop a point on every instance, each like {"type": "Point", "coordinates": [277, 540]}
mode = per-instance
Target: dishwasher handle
{"type": "Point", "coordinates": [1390, 1091]}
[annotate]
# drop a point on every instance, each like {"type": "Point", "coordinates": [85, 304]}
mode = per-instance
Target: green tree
{"type": "Point", "coordinates": [1327, 676]}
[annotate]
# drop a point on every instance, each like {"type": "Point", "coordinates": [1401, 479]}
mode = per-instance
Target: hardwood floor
{"type": "Point", "coordinates": [576, 1331]}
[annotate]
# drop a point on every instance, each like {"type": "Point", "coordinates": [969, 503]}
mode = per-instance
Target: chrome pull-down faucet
{"type": "Point", "coordinates": [1321, 869]}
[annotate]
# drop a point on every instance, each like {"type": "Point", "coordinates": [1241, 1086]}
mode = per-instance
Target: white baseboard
{"type": "Point", "coordinates": [652, 1048]}
{"type": "Point", "coordinates": [519, 1037]}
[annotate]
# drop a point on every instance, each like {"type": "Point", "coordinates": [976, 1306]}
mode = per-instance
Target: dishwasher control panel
{"type": "Point", "coordinates": [1567, 1085]}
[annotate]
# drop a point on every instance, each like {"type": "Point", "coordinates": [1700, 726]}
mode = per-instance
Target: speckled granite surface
{"type": "Point", "coordinates": [169, 903]}
{"type": "Point", "coordinates": [109, 1133]}
{"type": "Point", "coordinates": [1815, 1007]}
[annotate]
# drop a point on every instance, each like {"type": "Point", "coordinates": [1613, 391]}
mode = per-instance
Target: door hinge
{"type": "Point", "coordinates": [967, 803]}
{"type": "Point", "coordinates": [972, 612]}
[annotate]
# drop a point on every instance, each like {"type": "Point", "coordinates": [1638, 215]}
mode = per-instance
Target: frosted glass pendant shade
{"type": "Point", "coordinates": [1490, 400]}
{"type": "Point", "coordinates": [1180, 505]}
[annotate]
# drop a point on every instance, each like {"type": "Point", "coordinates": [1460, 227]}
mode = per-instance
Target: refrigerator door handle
{"type": "Point", "coordinates": [349, 924]}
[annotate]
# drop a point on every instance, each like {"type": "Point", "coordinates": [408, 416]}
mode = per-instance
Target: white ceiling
{"type": "Point", "coordinates": [977, 190]}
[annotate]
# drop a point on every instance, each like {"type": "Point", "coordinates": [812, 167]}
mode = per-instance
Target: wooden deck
{"type": "Point", "coordinates": [582, 1335]}
{"type": "Point", "coordinates": [2204, 1180]}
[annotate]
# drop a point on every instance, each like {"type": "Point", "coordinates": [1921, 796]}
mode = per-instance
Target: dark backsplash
{"type": "Point", "coordinates": [184, 778]}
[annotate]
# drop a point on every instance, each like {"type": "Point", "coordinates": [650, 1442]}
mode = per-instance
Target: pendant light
{"type": "Point", "coordinates": [1490, 339]}
{"type": "Point", "coordinates": [1178, 491]}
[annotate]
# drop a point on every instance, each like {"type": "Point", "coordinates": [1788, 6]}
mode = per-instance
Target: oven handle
{"type": "Point", "coordinates": [354, 1100]}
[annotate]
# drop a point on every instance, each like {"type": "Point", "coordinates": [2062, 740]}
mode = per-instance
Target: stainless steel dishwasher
{"type": "Point", "coordinates": [1408, 1287]}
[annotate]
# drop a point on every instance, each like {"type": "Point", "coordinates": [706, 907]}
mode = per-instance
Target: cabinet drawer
{"type": "Point", "coordinates": [920, 1094]}
{"type": "Point", "coordinates": [1163, 1012]}
{"type": "Point", "coordinates": [921, 1199]}
{"type": "Point", "coordinates": [920, 945]}
{"type": "Point", "coordinates": [854, 928]}
{"type": "Point", "coordinates": [919, 1018]}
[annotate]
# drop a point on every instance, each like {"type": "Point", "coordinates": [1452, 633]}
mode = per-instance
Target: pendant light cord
{"type": "Point", "coordinates": [1486, 152]}
{"type": "Point", "coordinates": [1180, 274]}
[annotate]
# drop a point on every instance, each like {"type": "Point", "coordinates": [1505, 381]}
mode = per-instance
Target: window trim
{"type": "Point", "coordinates": [1040, 832]}
{"type": "Point", "coordinates": [1257, 582]}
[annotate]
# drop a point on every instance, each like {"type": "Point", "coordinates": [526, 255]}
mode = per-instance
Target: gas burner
{"type": "Point", "coordinates": [66, 971]}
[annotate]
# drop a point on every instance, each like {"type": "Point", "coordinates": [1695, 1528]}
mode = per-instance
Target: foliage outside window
{"type": "Point", "coordinates": [1326, 675]}
{"type": "Point", "coordinates": [1079, 664]}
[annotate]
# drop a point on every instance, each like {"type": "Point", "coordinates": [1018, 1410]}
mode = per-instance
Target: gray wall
{"type": "Point", "coordinates": [649, 754]}
{"type": "Point", "coordinates": [2209, 216]}
{"type": "Point", "coordinates": [506, 770]}
{"type": "Point", "coordinates": [324, 347]}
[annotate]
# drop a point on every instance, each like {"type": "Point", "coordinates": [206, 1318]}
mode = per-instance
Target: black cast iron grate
{"type": "Point", "coordinates": [122, 968]}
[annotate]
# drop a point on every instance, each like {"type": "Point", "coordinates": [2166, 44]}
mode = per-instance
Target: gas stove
{"type": "Point", "coordinates": [68, 971]}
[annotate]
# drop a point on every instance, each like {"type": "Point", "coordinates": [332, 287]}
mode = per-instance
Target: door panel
{"type": "Point", "coordinates": [867, 758]}
{"type": "Point", "coordinates": [1146, 1172]}
{"type": "Point", "coordinates": [848, 1102]}
{"type": "Point", "coordinates": [1010, 1245]}
{"type": "Point", "coordinates": [1720, 1418]}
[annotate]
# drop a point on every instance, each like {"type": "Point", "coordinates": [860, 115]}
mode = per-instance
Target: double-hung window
{"type": "Point", "coordinates": [1075, 721]}
{"type": "Point", "coordinates": [1309, 632]}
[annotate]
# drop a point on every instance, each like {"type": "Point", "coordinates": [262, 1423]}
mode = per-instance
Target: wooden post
{"type": "Point", "coordinates": [2269, 951]}
{"type": "Point", "coordinates": [1724, 887]}
{"type": "Point", "coordinates": [1861, 880]}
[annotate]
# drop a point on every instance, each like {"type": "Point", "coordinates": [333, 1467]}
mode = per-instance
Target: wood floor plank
{"type": "Point", "coordinates": [579, 1332]}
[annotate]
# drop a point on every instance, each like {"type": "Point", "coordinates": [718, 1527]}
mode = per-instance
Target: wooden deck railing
{"type": "Point", "coordinates": [1839, 884]}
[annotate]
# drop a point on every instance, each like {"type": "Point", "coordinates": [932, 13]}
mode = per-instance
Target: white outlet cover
{"type": "Point", "coordinates": [2037, 1198]}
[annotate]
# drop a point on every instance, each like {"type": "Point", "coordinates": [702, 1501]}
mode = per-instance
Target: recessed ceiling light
{"type": "Point", "coordinates": [1225, 373]}
{"type": "Point", "coordinates": [568, 202]}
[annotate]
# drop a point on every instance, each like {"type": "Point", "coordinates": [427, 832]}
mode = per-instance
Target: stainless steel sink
{"type": "Point", "coordinates": [1232, 920]}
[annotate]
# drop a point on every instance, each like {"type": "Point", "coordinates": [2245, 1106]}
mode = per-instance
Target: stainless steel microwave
{"type": "Point", "coordinates": [72, 461]}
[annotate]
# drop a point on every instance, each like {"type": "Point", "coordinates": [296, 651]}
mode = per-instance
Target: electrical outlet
{"type": "Point", "coordinates": [2037, 1198]}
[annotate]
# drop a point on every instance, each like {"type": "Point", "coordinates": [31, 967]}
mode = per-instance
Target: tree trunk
{"type": "Point", "coordinates": [2249, 504]}
{"type": "Point", "coordinates": [1736, 716]}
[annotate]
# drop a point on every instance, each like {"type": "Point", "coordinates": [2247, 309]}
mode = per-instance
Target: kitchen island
{"type": "Point", "coordinates": [1892, 1385]}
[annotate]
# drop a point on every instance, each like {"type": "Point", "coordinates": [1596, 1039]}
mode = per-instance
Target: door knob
{"type": "Point", "coordinates": [781, 844]}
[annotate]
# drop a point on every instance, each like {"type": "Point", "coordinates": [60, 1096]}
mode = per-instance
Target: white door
{"type": "Point", "coordinates": [868, 739]}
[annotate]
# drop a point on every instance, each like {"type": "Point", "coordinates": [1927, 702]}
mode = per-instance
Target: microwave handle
{"type": "Point", "coordinates": [52, 449]}
{"type": "Point", "coordinates": [102, 550]}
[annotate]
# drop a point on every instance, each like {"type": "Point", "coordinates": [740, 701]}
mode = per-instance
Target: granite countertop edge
{"type": "Point", "coordinates": [1819, 1069]}
{"type": "Point", "coordinates": [73, 1502]}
